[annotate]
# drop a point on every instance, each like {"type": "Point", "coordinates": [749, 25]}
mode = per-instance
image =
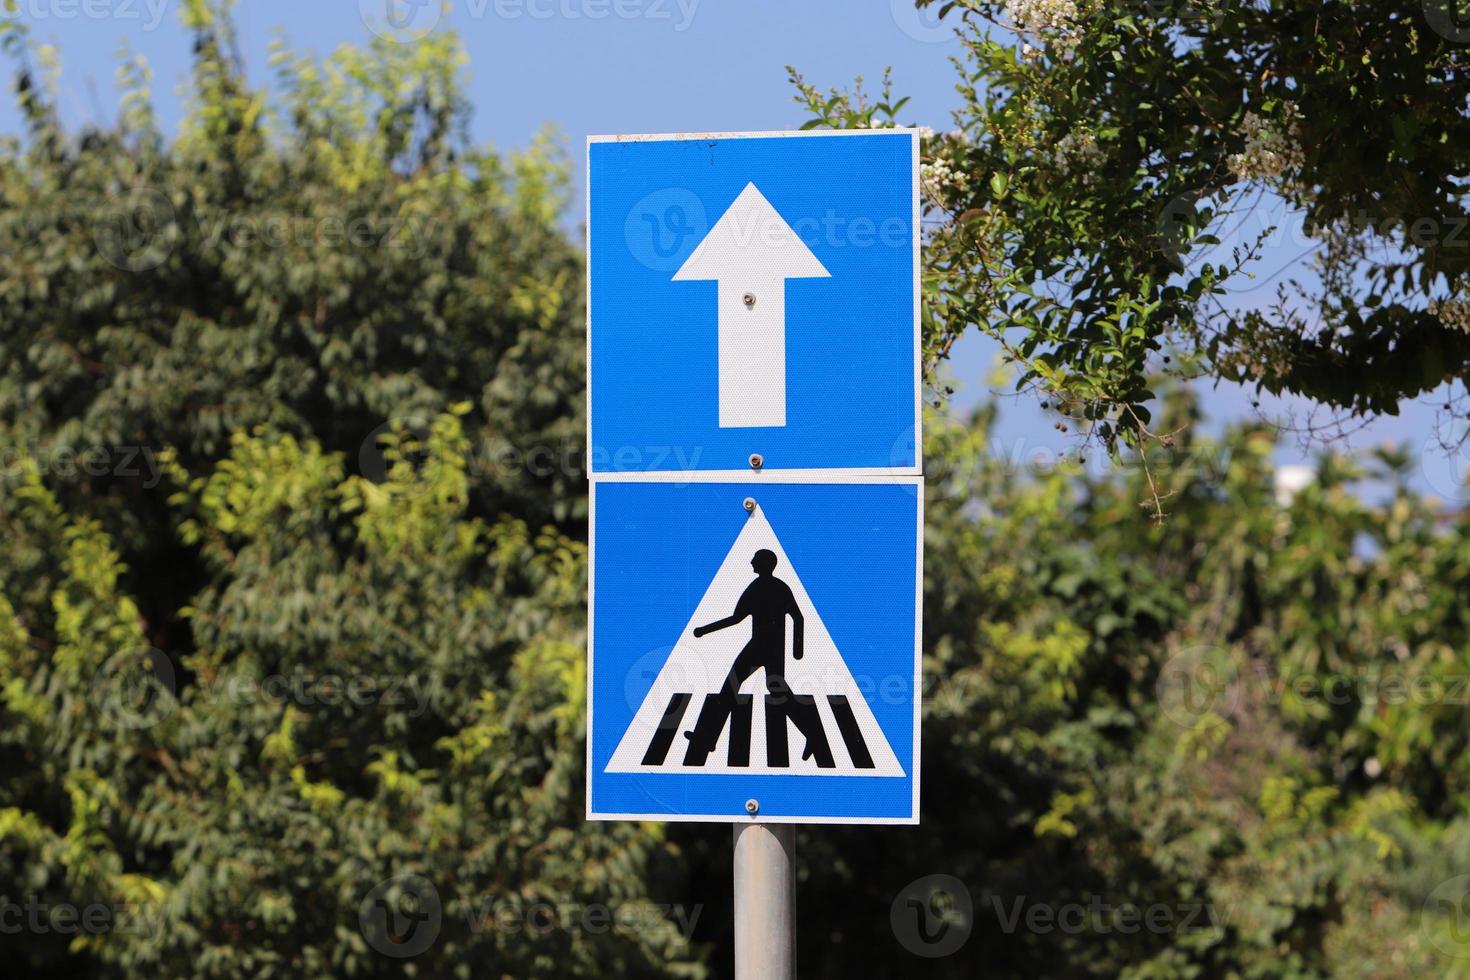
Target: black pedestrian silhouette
{"type": "Point", "coordinates": [766, 602]}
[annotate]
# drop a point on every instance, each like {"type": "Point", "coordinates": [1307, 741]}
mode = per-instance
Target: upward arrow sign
{"type": "Point", "coordinates": [752, 251]}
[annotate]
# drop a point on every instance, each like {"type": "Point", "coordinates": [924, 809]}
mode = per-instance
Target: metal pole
{"type": "Point", "coordinates": [765, 901]}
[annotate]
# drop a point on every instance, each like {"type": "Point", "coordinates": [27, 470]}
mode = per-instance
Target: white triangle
{"type": "Point", "coordinates": [751, 240]}
{"type": "Point", "coordinates": [698, 667]}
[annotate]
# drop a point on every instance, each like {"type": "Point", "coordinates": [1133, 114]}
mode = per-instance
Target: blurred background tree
{"type": "Point", "coordinates": [289, 335]}
{"type": "Point", "coordinates": [269, 392]}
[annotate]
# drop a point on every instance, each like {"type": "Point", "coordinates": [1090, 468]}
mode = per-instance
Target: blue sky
{"type": "Point", "coordinates": [626, 66]}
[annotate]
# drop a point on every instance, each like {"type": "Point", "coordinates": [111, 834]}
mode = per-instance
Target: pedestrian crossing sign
{"type": "Point", "coordinates": [754, 651]}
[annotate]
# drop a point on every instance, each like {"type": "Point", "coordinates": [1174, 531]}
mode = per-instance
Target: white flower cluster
{"type": "Point", "coordinates": [1269, 152]}
{"type": "Point", "coordinates": [1453, 313]}
{"type": "Point", "coordinates": [1056, 19]}
{"type": "Point", "coordinates": [1078, 153]}
{"type": "Point", "coordinates": [939, 179]}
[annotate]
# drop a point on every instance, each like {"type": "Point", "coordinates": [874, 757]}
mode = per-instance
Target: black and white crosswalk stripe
{"type": "Point", "coordinates": [663, 736]}
{"type": "Point", "coordinates": [810, 715]}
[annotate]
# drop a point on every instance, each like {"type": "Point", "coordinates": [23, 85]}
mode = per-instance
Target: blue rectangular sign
{"type": "Point", "coordinates": [754, 651]}
{"type": "Point", "coordinates": [753, 295]}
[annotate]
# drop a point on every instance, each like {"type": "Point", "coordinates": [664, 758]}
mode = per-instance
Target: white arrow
{"type": "Point", "coordinates": [752, 251]}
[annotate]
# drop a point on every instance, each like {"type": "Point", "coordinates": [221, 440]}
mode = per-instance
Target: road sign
{"type": "Point", "coordinates": [753, 294]}
{"type": "Point", "coordinates": [755, 644]}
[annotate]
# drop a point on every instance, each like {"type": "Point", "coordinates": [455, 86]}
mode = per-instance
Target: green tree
{"type": "Point", "coordinates": [1245, 723]}
{"type": "Point", "coordinates": [289, 624]}
{"type": "Point", "coordinates": [1103, 148]}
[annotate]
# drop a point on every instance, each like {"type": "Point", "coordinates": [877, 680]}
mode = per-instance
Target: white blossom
{"type": "Point", "coordinates": [1269, 152]}
{"type": "Point", "coordinates": [1079, 154]}
{"type": "Point", "coordinates": [940, 180]}
{"type": "Point", "coordinates": [1454, 313]}
{"type": "Point", "coordinates": [1055, 20]}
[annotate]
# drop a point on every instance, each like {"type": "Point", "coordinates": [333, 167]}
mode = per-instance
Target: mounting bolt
{"type": "Point", "coordinates": [752, 807]}
{"type": "Point", "coordinates": [757, 461]}
{"type": "Point", "coordinates": [750, 505]}
{"type": "Point", "coordinates": [749, 300]}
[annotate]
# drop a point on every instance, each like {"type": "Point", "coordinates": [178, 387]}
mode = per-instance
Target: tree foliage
{"type": "Point", "coordinates": [1102, 150]}
{"type": "Point", "coordinates": [285, 614]}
